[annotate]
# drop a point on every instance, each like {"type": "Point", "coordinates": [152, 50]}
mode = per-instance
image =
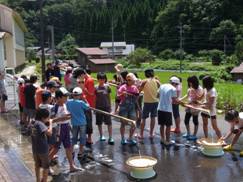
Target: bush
{"type": "Point", "coordinates": [180, 54]}
{"type": "Point", "coordinates": [221, 75]}
{"type": "Point", "coordinates": [216, 56]}
{"type": "Point", "coordinates": [140, 55]}
{"type": "Point", "coordinates": [166, 54]}
{"type": "Point", "coordinates": [203, 53]}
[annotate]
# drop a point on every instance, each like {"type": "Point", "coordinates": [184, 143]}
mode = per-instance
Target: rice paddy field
{"type": "Point", "coordinates": [229, 94]}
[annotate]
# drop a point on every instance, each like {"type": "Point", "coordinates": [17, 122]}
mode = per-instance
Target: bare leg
{"type": "Point", "coordinates": [132, 130]}
{"type": "Point", "coordinates": [110, 130]}
{"type": "Point", "coordinates": [37, 173]}
{"type": "Point", "coordinates": [215, 127]}
{"type": "Point", "coordinates": [69, 155]}
{"type": "Point", "coordinates": [177, 123]}
{"type": "Point", "coordinates": [122, 130]}
{"type": "Point", "coordinates": [89, 138]}
{"type": "Point", "coordinates": [205, 126]}
{"type": "Point", "coordinates": [45, 175]}
{"type": "Point", "coordinates": [142, 126]}
{"type": "Point", "coordinates": [235, 138]}
{"type": "Point", "coordinates": [100, 130]}
{"type": "Point", "coordinates": [162, 132]}
{"type": "Point", "coordinates": [152, 124]}
{"type": "Point", "coordinates": [81, 147]}
{"type": "Point", "coordinates": [52, 153]}
{"type": "Point", "coordinates": [167, 130]}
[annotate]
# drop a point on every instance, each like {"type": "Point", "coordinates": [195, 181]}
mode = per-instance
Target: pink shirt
{"type": "Point", "coordinates": [132, 89]}
{"type": "Point", "coordinates": [193, 94]}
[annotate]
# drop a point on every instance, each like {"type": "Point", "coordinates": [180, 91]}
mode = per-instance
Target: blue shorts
{"type": "Point", "coordinates": [150, 108]}
{"type": "Point", "coordinates": [63, 137]}
{"type": "Point", "coordinates": [81, 132]}
{"type": "Point", "coordinates": [128, 112]}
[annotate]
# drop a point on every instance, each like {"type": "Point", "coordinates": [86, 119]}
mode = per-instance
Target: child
{"type": "Point", "coordinates": [29, 93]}
{"type": "Point", "coordinates": [167, 96]}
{"type": "Point", "coordinates": [103, 102]}
{"type": "Point", "coordinates": [176, 111]}
{"type": "Point", "coordinates": [128, 94]}
{"type": "Point", "coordinates": [63, 117]}
{"type": "Point", "coordinates": [77, 109]}
{"type": "Point", "coordinates": [194, 95]}
{"type": "Point", "coordinates": [39, 133]}
{"type": "Point", "coordinates": [150, 87]}
{"type": "Point", "coordinates": [235, 119]}
{"type": "Point", "coordinates": [211, 101]}
{"type": "Point", "coordinates": [21, 86]}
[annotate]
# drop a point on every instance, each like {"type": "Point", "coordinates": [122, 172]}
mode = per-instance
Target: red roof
{"type": "Point", "coordinates": [103, 61]}
{"type": "Point", "coordinates": [238, 69]}
{"type": "Point", "coordinates": [92, 51]}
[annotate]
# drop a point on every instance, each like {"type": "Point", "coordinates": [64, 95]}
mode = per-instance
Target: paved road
{"type": "Point", "coordinates": [107, 163]}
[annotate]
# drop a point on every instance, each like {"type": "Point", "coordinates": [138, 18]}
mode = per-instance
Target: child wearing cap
{"type": "Point", "coordinates": [235, 119]}
{"type": "Point", "coordinates": [77, 109]}
{"type": "Point", "coordinates": [167, 95]}
{"type": "Point", "coordinates": [103, 102]}
{"type": "Point", "coordinates": [63, 134]}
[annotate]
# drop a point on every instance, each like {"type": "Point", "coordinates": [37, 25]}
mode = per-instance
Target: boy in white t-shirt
{"type": "Point", "coordinates": [167, 95]}
{"type": "Point", "coordinates": [235, 119]}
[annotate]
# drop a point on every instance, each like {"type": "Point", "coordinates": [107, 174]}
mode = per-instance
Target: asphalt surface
{"type": "Point", "coordinates": [181, 162]}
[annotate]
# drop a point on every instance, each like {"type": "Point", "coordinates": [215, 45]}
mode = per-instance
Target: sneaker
{"type": "Point", "coordinates": [111, 141]}
{"type": "Point", "coordinates": [192, 137]}
{"type": "Point", "coordinates": [131, 142]}
{"type": "Point", "coordinates": [102, 139]}
{"type": "Point", "coordinates": [241, 153]}
{"type": "Point", "coordinates": [228, 148]}
{"type": "Point", "coordinates": [186, 135]}
{"type": "Point", "coordinates": [123, 141]}
{"type": "Point", "coordinates": [168, 144]}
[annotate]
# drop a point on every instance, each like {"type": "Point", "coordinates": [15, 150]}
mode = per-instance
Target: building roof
{"type": "Point", "coordinates": [92, 51]}
{"type": "Point", "coordinates": [238, 69]}
{"type": "Point", "coordinates": [15, 16]}
{"type": "Point", "coordinates": [102, 61]}
{"type": "Point", "coordinates": [109, 44]}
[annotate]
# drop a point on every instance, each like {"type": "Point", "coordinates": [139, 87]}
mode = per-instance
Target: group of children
{"type": "Point", "coordinates": [57, 115]}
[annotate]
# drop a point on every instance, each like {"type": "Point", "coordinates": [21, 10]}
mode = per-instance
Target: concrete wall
{"type": "Point", "coordinates": [2, 60]}
{"type": "Point", "coordinates": [9, 51]}
{"type": "Point", "coordinates": [20, 57]}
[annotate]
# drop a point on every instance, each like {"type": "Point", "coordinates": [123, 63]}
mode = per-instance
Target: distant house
{"type": "Point", "coordinates": [237, 73]}
{"type": "Point", "coordinates": [95, 59]}
{"type": "Point", "coordinates": [120, 48]}
{"type": "Point", "coordinates": [12, 45]}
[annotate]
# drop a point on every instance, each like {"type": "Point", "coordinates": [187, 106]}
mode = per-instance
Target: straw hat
{"type": "Point", "coordinates": [119, 67]}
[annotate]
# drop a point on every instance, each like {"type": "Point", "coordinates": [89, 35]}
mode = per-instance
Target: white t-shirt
{"type": "Point", "coordinates": [62, 111]}
{"type": "Point", "coordinates": [209, 94]}
{"type": "Point", "coordinates": [166, 93]}
{"type": "Point", "coordinates": [240, 124]}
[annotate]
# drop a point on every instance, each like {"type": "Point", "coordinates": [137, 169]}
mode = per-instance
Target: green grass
{"type": "Point", "coordinates": [228, 93]}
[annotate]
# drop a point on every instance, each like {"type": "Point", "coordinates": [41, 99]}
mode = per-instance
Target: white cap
{"type": "Point", "coordinates": [20, 80]}
{"type": "Point", "coordinates": [64, 90]}
{"type": "Point", "coordinates": [77, 91]}
{"type": "Point", "coordinates": [241, 115]}
{"type": "Point", "coordinates": [69, 68]}
{"type": "Point", "coordinates": [175, 80]}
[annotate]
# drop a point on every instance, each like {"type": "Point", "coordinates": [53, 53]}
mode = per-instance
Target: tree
{"type": "Point", "coordinates": [140, 55]}
{"type": "Point", "coordinates": [67, 46]}
{"type": "Point", "coordinates": [225, 30]}
{"type": "Point", "coordinates": [239, 50]}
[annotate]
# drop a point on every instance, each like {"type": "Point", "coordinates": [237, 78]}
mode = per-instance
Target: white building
{"type": "Point", "coordinates": [12, 45]}
{"type": "Point", "coordinates": [120, 48]}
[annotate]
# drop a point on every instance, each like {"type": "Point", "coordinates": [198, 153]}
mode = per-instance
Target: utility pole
{"type": "Point", "coordinates": [51, 28]}
{"type": "Point", "coordinates": [181, 48]}
{"type": "Point", "coordinates": [112, 36]}
{"type": "Point", "coordinates": [225, 44]}
{"type": "Point", "coordinates": [42, 42]}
